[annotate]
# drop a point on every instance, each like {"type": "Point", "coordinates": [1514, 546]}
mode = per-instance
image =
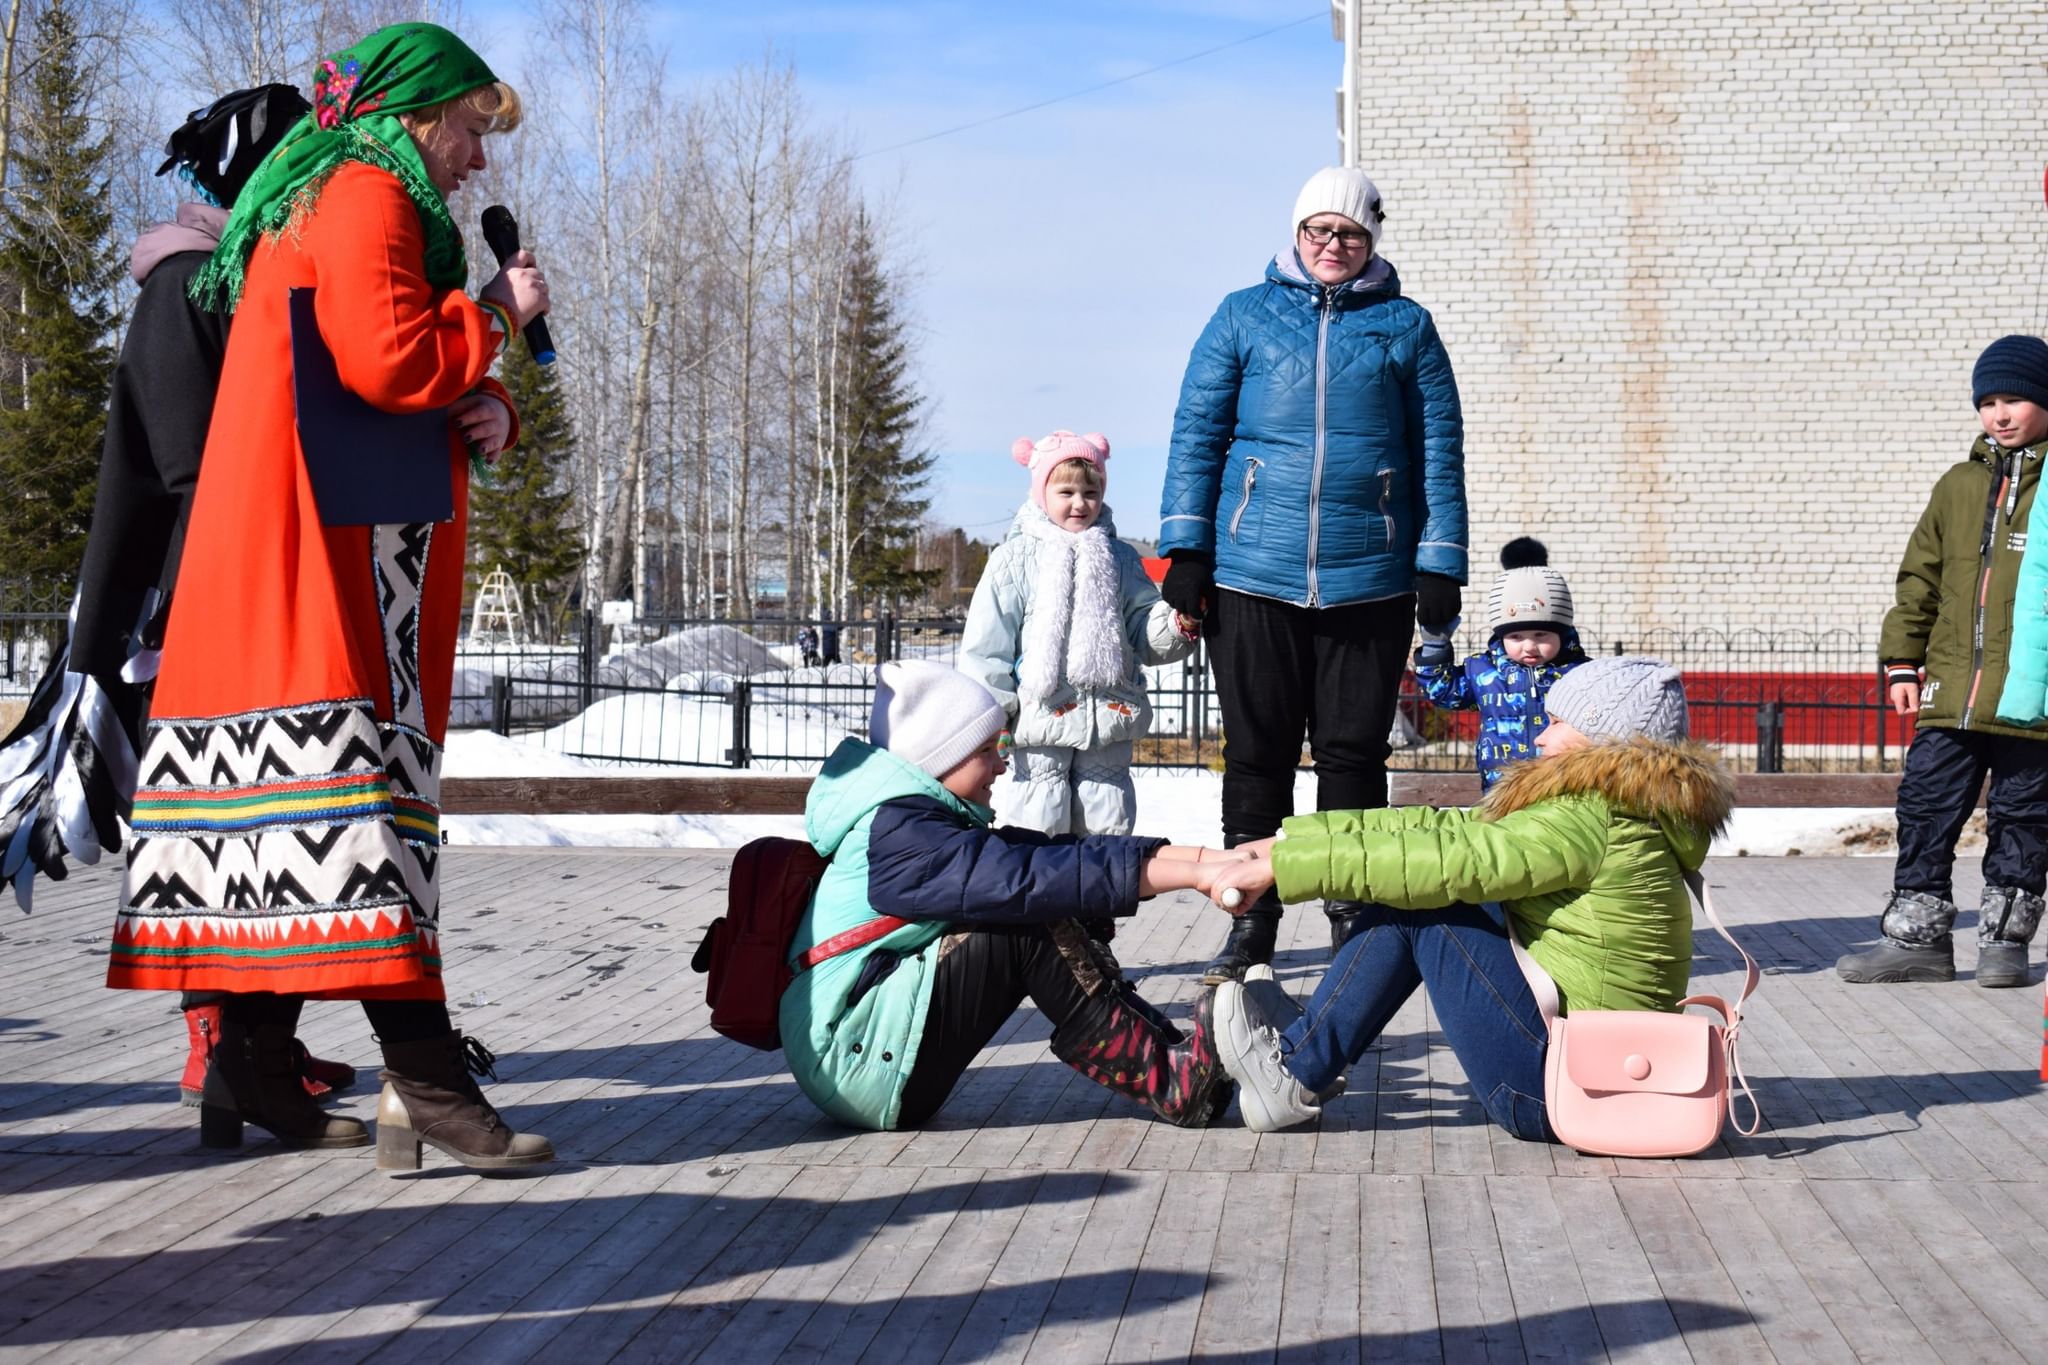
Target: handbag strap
{"type": "Point", "coordinates": [1540, 983]}
{"type": "Point", "coordinates": [1545, 990]}
{"type": "Point", "coordinates": [1752, 976]}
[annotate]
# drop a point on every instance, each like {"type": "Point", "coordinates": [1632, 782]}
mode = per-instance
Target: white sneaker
{"type": "Point", "coordinates": [1267, 1093]}
{"type": "Point", "coordinates": [1270, 1002]}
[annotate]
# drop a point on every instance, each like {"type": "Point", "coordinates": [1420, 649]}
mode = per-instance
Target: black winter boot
{"type": "Point", "coordinates": [1890, 964]}
{"type": "Point", "coordinates": [431, 1097]}
{"type": "Point", "coordinates": [254, 1077]}
{"type": "Point", "coordinates": [1119, 1041]}
{"type": "Point", "coordinates": [1343, 917]}
{"type": "Point", "coordinates": [1252, 935]}
{"type": "Point", "coordinates": [2005, 925]}
{"type": "Point", "coordinates": [1916, 945]}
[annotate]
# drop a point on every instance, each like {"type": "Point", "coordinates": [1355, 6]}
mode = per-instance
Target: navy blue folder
{"type": "Point", "coordinates": [368, 467]}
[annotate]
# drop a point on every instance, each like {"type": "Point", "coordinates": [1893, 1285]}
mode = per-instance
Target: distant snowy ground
{"type": "Point", "coordinates": [1181, 804]}
{"type": "Point", "coordinates": [684, 716]}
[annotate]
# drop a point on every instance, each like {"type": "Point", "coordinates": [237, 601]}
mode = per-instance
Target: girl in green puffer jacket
{"type": "Point", "coordinates": [1581, 854]}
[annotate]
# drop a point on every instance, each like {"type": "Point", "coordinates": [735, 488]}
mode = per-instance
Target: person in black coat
{"type": "Point", "coordinates": [157, 417]}
{"type": "Point", "coordinates": [164, 382]}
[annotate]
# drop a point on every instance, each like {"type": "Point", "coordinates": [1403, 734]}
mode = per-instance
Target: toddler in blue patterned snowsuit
{"type": "Point", "coordinates": [1533, 645]}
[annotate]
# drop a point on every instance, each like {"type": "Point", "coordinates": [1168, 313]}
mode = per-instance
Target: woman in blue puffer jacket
{"type": "Point", "coordinates": [1314, 509]}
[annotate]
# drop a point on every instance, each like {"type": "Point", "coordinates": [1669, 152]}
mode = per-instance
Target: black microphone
{"type": "Point", "coordinates": [501, 230]}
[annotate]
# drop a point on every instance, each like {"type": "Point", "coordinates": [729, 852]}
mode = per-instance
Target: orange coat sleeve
{"type": "Point", "coordinates": [398, 343]}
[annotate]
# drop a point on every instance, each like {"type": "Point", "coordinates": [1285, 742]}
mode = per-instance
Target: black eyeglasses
{"type": "Point", "coordinates": [1320, 236]}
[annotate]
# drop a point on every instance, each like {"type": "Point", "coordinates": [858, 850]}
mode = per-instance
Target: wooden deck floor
{"type": "Point", "coordinates": [1896, 1208]}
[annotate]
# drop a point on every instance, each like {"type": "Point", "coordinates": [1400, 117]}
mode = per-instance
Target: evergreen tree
{"type": "Point", "coordinates": [886, 473]}
{"type": "Point", "coordinates": [524, 521]}
{"type": "Point", "coordinates": [59, 268]}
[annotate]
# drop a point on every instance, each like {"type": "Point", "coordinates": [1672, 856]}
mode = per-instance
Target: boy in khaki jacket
{"type": "Point", "coordinates": [1954, 623]}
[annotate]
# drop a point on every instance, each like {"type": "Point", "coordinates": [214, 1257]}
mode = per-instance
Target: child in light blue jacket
{"type": "Point", "coordinates": [1060, 626]}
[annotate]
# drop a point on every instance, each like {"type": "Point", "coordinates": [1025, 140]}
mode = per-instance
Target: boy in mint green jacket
{"type": "Point", "coordinates": [974, 919]}
{"type": "Point", "coordinates": [1581, 854]}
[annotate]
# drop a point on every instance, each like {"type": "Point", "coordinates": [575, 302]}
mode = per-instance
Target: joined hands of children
{"type": "Point", "coordinates": [1249, 875]}
{"type": "Point", "coordinates": [1187, 867]}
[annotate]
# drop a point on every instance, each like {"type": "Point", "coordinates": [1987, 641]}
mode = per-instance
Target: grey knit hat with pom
{"type": "Point", "coordinates": [1620, 697]}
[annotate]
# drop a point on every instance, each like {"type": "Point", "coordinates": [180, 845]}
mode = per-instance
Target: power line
{"type": "Point", "coordinates": [1076, 94]}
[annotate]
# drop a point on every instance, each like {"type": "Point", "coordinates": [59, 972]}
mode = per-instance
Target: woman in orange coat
{"type": "Point", "coordinates": [286, 837]}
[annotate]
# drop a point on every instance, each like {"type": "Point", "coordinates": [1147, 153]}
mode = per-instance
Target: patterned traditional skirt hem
{"type": "Point", "coordinates": [294, 851]}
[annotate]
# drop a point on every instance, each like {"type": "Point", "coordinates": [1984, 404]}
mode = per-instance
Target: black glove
{"type": "Point", "coordinates": [1437, 601]}
{"type": "Point", "coordinates": [1190, 582]}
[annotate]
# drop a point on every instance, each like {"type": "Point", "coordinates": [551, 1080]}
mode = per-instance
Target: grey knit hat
{"type": "Point", "coordinates": [1620, 698]}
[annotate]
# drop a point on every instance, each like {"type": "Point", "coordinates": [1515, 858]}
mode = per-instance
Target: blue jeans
{"type": "Point", "coordinates": [1483, 1003]}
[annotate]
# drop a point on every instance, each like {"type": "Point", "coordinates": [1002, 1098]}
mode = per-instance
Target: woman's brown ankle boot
{"type": "Point", "coordinates": [431, 1098]}
{"type": "Point", "coordinates": [254, 1078]}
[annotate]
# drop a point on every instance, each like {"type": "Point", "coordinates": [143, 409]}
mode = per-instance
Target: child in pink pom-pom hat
{"type": "Point", "coordinates": [1061, 625]}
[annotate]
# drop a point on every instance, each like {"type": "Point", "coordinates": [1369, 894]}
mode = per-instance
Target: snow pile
{"type": "Point", "coordinates": [547, 677]}
{"type": "Point", "coordinates": [714, 650]}
{"type": "Point", "coordinates": [678, 727]}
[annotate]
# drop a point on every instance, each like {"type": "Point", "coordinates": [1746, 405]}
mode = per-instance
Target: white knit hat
{"type": "Point", "coordinates": [1620, 697]}
{"type": "Point", "coordinates": [1340, 189]}
{"type": "Point", "coordinates": [1529, 595]}
{"type": "Point", "coordinates": [932, 716]}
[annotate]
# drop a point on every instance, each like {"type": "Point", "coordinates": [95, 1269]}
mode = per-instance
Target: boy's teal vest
{"type": "Point", "coordinates": [853, 1063]}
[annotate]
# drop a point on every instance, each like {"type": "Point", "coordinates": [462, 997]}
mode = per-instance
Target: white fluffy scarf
{"type": "Point", "coordinates": [1073, 633]}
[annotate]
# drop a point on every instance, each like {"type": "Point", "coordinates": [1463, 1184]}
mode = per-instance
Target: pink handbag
{"type": "Point", "coordinates": [1642, 1083]}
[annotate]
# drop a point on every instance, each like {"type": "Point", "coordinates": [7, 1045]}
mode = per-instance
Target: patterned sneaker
{"type": "Point", "coordinates": [1249, 1047]}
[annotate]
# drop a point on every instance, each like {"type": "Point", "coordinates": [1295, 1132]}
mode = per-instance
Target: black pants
{"type": "Point", "coordinates": [1938, 790]}
{"type": "Point", "coordinates": [977, 987]}
{"type": "Point", "coordinates": [393, 1021]}
{"type": "Point", "coordinates": [1280, 669]}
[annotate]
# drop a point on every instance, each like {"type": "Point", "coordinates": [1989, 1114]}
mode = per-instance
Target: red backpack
{"type": "Point", "coordinates": [745, 952]}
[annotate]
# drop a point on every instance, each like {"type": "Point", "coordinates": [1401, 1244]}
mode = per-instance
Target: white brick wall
{"type": "Point", "coordinates": [1712, 276]}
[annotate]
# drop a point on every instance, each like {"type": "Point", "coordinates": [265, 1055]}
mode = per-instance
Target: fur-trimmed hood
{"type": "Point", "coordinates": [1683, 787]}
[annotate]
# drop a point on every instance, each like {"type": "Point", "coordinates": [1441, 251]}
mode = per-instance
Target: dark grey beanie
{"type": "Point", "coordinates": [2015, 365]}
{"type": "Point", "coordinates": [1620, 697]}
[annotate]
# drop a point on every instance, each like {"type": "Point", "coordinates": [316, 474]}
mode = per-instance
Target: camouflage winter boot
{"type": "Point", "coordinates": [1916, 945]}
{"type": "Point", "coordinates": [2005, 926]}
{"type": "Point", "coordinates": [1121, 1042]}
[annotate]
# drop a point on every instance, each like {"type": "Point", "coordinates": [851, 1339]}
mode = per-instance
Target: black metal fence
{"type": "Point", "coordinates": [1785, 701]}
{"type": "Point", "coordinates": [779, 694]}
{"type": "Point", "coordinates": [32, 617]}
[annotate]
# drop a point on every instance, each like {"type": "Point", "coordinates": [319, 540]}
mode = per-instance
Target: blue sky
{"type": "Point", "coordinates": [1066, 258]}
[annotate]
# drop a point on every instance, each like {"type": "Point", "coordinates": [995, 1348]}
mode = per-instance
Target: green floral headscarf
{"type": "Point", "coordinates": [357, 95]}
